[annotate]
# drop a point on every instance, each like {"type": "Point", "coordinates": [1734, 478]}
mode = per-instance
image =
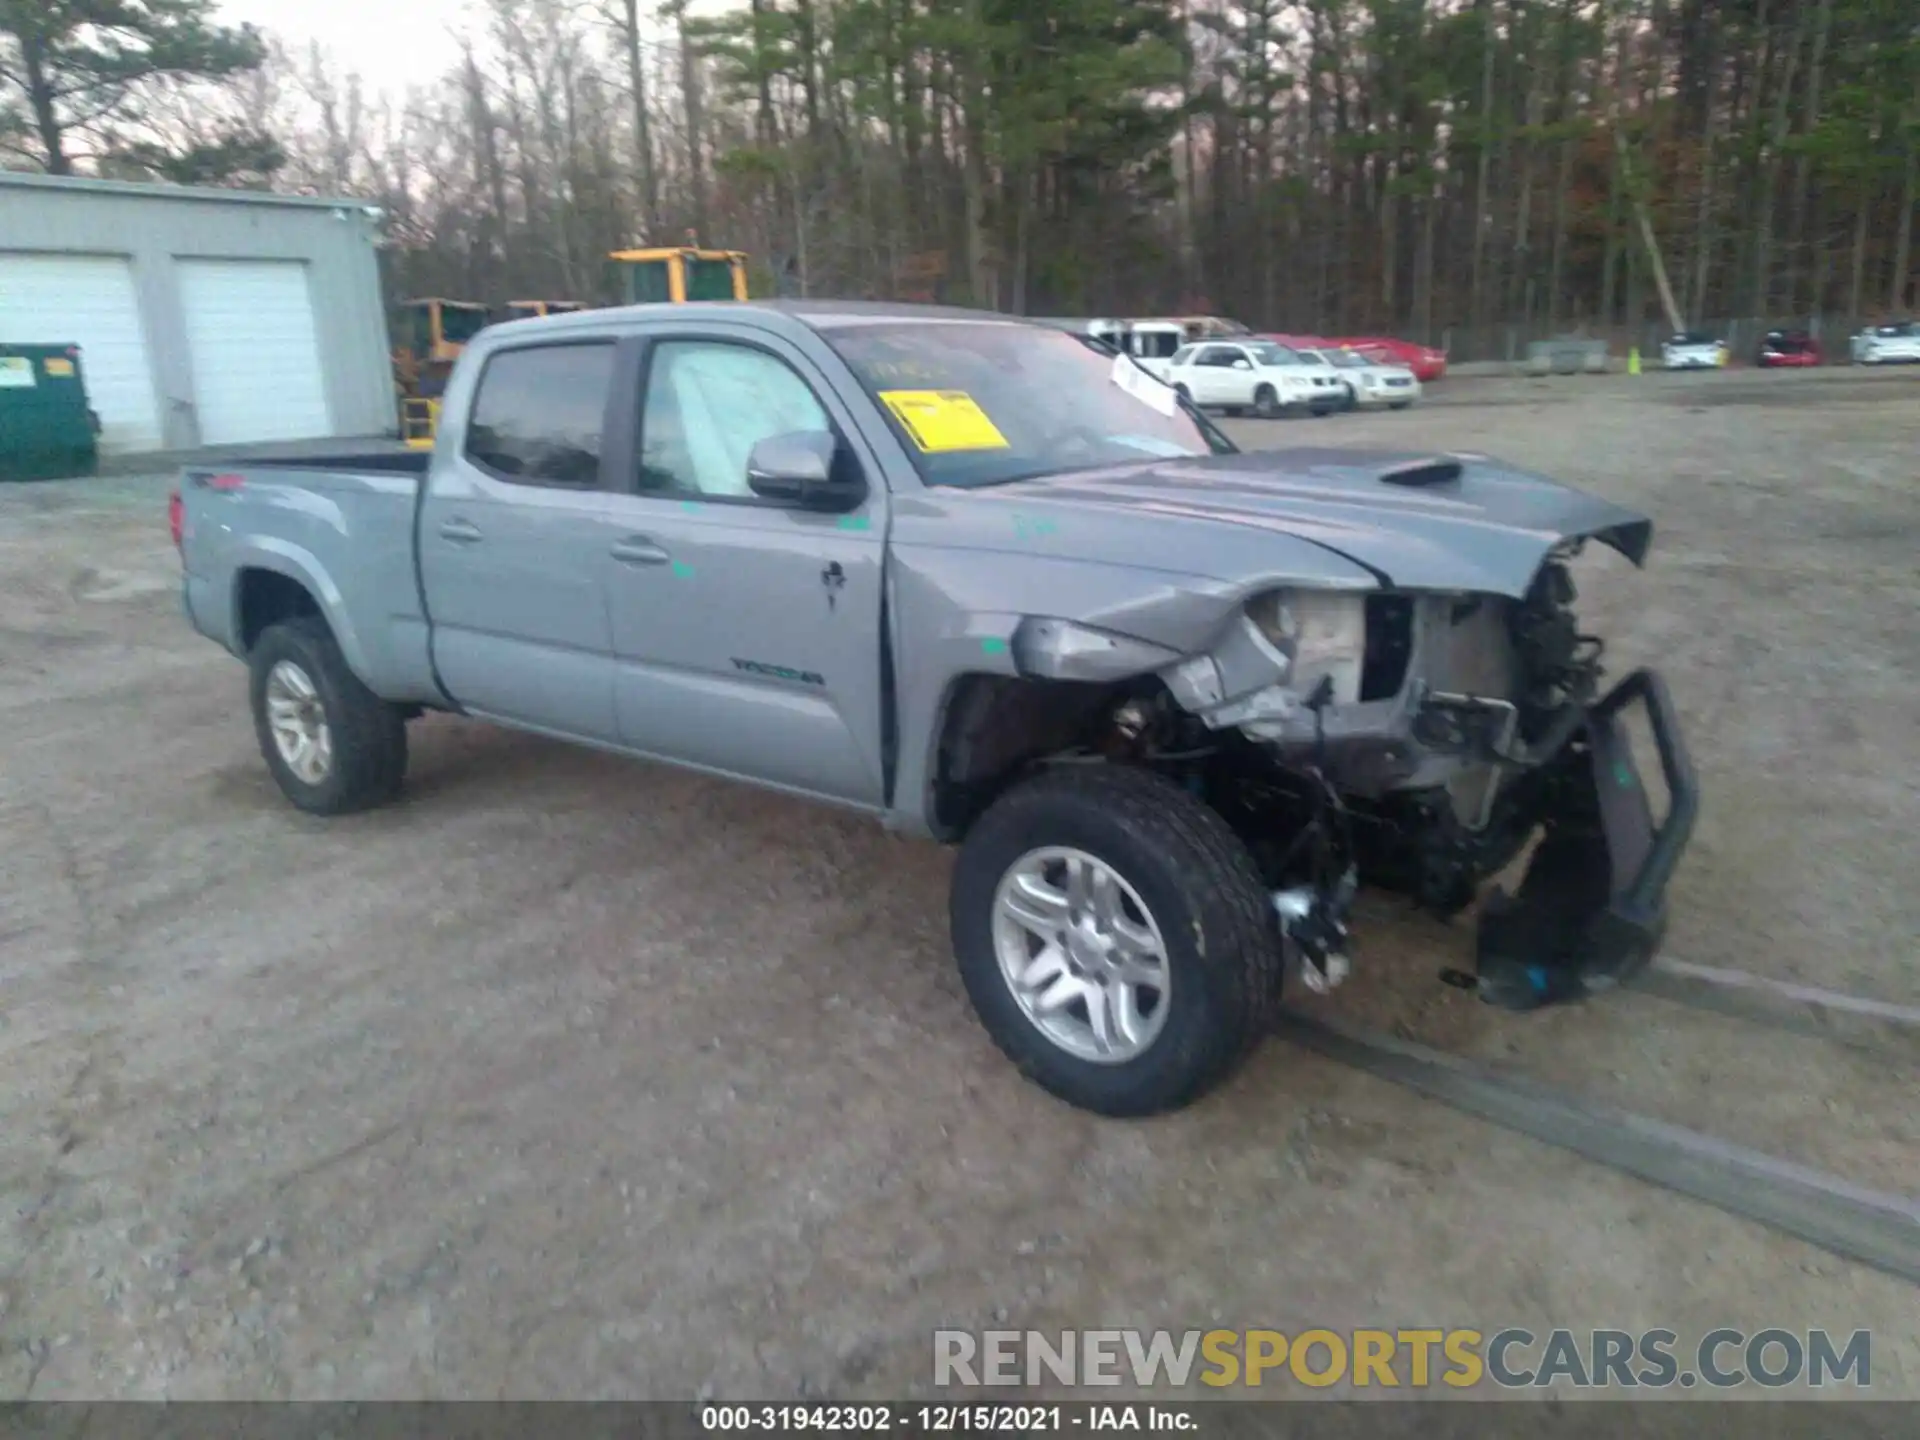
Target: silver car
{"type": "Point", "coordinates": [1373, 386]}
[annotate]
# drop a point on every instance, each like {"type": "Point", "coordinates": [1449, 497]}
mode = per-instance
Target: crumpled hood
{"type": "Point", "coordinates": [1488, 530]}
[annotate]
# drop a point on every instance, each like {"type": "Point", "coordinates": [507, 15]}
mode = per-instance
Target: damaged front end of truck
{"type": "Point", "coordinates": [1424, 739]}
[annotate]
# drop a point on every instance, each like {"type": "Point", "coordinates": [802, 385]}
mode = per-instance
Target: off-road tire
{"type": "Point", "coordinates": [369, 736]}
{"type": "Point", "coordinates": [1266, 404]}
{"type": "Point", "coordinates": [1198, 881]}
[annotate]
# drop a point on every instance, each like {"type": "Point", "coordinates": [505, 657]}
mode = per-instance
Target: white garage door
{"type": "Point", "coordinates": [255, 351]}
{"type": "Point", "coordinates": [87, 300]}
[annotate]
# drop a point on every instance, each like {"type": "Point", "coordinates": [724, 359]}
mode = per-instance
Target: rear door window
{"type": "Point", "coordinates": [540, 412]}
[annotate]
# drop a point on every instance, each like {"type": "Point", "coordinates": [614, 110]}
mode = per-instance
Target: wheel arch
{"type": "Point", "coordinates": [264, 597]}
{"type": "Point", "coordinates": [990, 732]}
{"type": "Point", "coordinates": [273, 581]}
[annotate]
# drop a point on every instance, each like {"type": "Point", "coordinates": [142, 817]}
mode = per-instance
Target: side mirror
{"type": "Point", "coordinates": [797, 468]}
{"type": "Point", "coordinates": [1243, 364]}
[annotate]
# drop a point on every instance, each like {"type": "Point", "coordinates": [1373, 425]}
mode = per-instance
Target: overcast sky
{"type": "Point", "coordinates": [390, 42]}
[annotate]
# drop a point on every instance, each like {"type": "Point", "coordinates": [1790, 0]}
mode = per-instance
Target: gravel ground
{"type": "Point", "coordinates": [571, 1077]}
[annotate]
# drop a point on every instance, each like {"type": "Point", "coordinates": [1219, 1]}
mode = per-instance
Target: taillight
{"type": "Point", "coordinates": [176, 517]}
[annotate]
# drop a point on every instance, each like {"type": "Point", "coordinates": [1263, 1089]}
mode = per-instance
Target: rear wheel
{"type": "Point", "coordinates": [1399, 404]}
{"type": "Point", "coordinates": [1266, 404]}
{"type": "Point", "coordinates": [1114, 938]}
{"type": "Point", "coordinates": [332, 744]}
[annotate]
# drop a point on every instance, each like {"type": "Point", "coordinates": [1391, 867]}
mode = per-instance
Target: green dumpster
{"type": "Point", "coordinates": [47, 430]}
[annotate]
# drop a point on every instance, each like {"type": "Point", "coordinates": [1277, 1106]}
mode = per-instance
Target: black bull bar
{"type": "Point", "coordinates": [1591, 909]}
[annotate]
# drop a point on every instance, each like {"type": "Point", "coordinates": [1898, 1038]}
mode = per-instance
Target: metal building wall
{"type": "Point", "coordinates": [152, 226]}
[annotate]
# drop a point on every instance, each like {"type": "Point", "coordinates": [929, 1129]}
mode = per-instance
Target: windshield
{"type": "Point", "coordinates": [1265, 352]}
{"type": "Point", "coordinates": [1346, 360]}
{"type": "Point", "coordinates": [1896, 330]}
{"type": "Point", "coordinates": [460, 324]}
{"type": "Point", "coordinates": [983, 403]}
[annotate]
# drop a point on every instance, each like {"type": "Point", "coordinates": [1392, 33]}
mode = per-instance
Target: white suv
{"type": "Point", "coordinates": [1895, 343]}
{"type": "Point", "coordinates": [1693, 350]}
{"type": "Point", "coordinates": [1255, 375]}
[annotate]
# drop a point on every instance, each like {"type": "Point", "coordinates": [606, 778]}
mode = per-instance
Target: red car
{"type": "Point", "coordinates": [1426, 363]}
{"type": "Point", "coordinates": [1787, 348]}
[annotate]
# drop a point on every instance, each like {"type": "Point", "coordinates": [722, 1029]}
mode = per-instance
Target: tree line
{"type": "Point", "coordinates": [1325, 165]}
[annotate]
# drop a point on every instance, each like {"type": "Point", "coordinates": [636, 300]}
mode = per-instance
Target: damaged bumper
{"type": "Point", "coordinates": [1591, 908]}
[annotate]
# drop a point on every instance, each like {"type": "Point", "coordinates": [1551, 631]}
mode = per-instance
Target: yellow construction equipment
{"type": "Point", "coordinates": [419, 421]}
{"type": "Point", "coordinates": [679, 274]}
{"type": "Point", "coordinates": [432, 333]}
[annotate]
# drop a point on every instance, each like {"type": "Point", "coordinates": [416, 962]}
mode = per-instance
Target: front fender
{"type": "Point", "coordinates": [957, 612]}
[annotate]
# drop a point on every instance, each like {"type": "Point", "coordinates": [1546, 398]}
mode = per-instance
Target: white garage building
{"type": "Point", "coordinates": [203, 317]}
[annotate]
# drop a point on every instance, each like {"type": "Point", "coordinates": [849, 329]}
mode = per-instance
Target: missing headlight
{"type": "Point", "coordinates": [1322, 634]}
{"type": "Point", "coordinates": [1389, 646]}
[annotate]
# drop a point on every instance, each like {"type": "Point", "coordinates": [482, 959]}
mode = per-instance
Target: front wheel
{"type": "Point", "coordinates": [1266, 404]}
{"type": "Point", "coordinates": [332, 744]}
{"type": "Point", "coordinates": [1114, 938]}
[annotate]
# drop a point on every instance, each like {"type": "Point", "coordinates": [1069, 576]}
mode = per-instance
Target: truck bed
{"type": "Point", "coordinates": [338, 523]}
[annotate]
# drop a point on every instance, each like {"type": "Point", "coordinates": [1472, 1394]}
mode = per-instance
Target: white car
{"type": "Point", "coordinates": [1895, 343]}
{"type": "Point", "coordinates": [1371, 384]}
{"type": "Point", "coordinates": [1693, 351]}
{"type": "Point", "coordinates": [1255, 375]}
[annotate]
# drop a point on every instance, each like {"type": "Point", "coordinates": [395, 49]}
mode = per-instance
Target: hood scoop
{"type": "Point", "coordinates": [1418, 474]}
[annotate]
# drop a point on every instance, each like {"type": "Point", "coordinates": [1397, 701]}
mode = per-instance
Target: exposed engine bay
{"type": "Point", "coordinates": [1420, 742]}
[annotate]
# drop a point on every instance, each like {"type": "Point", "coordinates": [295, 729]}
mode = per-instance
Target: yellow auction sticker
{"type": "Point", "coordinates": [940, 420]}
{"type": "Point", "coordinates": [57, 366]}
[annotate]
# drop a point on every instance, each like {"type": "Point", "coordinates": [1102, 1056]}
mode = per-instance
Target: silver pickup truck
{"type": "Point", "coordinates": [991, 583]}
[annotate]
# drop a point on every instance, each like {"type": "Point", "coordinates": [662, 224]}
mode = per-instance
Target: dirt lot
{"type": "Point", "coordinates": [573, 1077]}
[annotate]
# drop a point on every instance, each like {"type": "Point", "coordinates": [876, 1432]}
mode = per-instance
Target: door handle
{"type": "Point", "coordinates": [639, 550]}
{"type": "Point", "coordinates": [463, 532]}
